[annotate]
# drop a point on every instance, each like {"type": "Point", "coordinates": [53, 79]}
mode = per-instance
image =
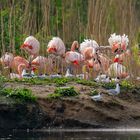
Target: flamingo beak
{"type": "Point", "coordinates": [34, 69]}
{"type": "Point", "coordinates": [35, 63]}
{"type": "Point", "coordinates": [22, 46]}
{"type": "Point", "coordinates": [75, 62]}
{"type": "Point", "coordinates": [116, 60]}
{"type": "Point", "coordinates": [26, 45]}
{"type": "Point", "coordinates": [51, 50]}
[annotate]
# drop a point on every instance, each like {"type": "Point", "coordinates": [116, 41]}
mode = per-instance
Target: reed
{"type": "Point", "coordinates": [69, 19]}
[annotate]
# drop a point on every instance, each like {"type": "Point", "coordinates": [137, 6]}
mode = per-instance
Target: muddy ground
{"type": "Point", "coordinates": [81, 111]}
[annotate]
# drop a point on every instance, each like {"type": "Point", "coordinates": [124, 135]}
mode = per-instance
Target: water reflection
{"type": "Point", "coordinates": [69, 135]}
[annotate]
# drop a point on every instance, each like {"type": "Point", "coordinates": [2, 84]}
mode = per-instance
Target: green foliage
{"type": "Point", "coordinates": [87, 82]}
{"type": "Point", "coordinates": [66, 91]}
{"type": "Point", "coordinates": [54, 96]}
{"type": "Point", "coordinates": [38, 81]}
{"type": "Point", "coordinates": [108, 85]}
{"type": "Point", "coordinates": [63, 92]}
{"type": "Point", "coordinates": [127, 85]}
{"type": "Point", "coordinates": [22, 94]}
{"type": "Point", "coordinates": [60, 81]}
{"type": "Point", "coordinates": [94, 92]}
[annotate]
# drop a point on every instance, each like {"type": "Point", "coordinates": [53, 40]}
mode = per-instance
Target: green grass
{"type": "Point", "coordinates": [37, 81]}
{"type": "Point", "coordinates": [22, 94]}
{"type": "Point", "coordinates": [63, 92]}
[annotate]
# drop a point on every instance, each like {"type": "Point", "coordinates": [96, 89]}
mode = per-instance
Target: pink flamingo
{"type": "Point", "coordinates": [119, 47]}
{"type": "Point", "coordinates": [32, 46]}
{"type": "Point", "coordinates": [15, 63]}
{"type": "Point", "coordinates": [72, 56]}
{"type": "Point", "coordinates": [101, 64]}
{"type": "Point", "coordinates": [56, 47]}
{"type": "Point", "coordinates": [89, 49]}
{"type": "Point", "coordinates": [42, 64]}
{"type": "Point", "coordinates": [117, 69]}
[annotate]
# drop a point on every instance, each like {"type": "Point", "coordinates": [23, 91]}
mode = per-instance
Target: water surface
{"type": "Point", "coordinates": [71, 135]}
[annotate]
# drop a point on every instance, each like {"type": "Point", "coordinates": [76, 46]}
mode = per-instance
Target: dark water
{"type": "Point", "coordinates": [69, 135]}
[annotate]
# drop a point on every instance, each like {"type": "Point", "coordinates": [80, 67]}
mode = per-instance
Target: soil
{"type": "Point", "coordinates": [81, 111]}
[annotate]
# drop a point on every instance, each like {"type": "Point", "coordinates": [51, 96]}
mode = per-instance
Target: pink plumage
{"type": "Point", "coordinates": [73, 56]}
{"type": "Point", "coordinates": [31, 45]}
{"type": "Point", "coordinates": [17, 64]}
{"type": "Point", "coordinates": [56, 46]}
{"type": "Point", "coordinates": [42, 64]}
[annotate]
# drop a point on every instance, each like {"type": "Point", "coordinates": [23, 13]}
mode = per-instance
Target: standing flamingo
{"type": "Point", "coordinates": [17, 64]}
{"type": "Point", "coordinates": [102, 64]}
{"type": "Point", "coordinates": [119, 47]}
{"type": "Point", "coordinates": [42, 64]}
{"type": "Point", "coordinates": [56, 47]}
{"type": "Point", "coordinates": [117, 69]}
{"type": "Point", "coordinates": [73, 56]}
{"type": "Point", "coordinates": [89, 49]}
{"type": "Point", "coordinates": [32, 46]}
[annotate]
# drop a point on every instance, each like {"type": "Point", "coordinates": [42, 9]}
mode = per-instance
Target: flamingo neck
{"type": "Point", "coordinates": [74, 46]}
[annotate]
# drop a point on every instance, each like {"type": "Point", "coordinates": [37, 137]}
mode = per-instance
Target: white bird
{"type": "Point", "coordinates": [106, 80]}
{"type": "Point", "coordinates": [116, 80]}
{"type": "Point", "coordinates": [115, 91]}
{"type": "Point", "coordinates": [33, 74]}
{"type": "Point", "coordinates": [25, 74]}
{"type": "Point", "coordinates": [14, 75]}
{"type": "Point", "coordinates": [42, 76]}
{"type": "Point", "coordinates": [138, 78]}
{"type": "Point", "coordinates": [55, 76]}
{"type": "Point", "coordinates": [102, 78]}
{"type": "Point", "coordinates": [68, 74]}
{"type": "Point", "coordinates": [81, 76]}
{"type": "Point", "coordinates": [97, 97]}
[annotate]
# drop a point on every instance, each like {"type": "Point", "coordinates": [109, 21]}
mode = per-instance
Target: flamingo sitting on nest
{"type": "Point", "coordinates": [17, 63]}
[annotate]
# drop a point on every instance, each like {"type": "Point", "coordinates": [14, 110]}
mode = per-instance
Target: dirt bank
{"type": "Point", "coordinates": [70, 112]}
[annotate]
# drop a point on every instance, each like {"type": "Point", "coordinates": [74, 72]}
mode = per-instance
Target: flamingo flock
{"type": "Point", "coordinates": [85, 56]}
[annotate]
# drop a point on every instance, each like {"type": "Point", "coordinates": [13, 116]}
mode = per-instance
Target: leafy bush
{"type": "Point", "coordinates": [63, 92]}
{"type": "Point", "coordinates": [94, 92]}
{"type": "Point", "coordinates": [87, 83]}
{"type": "Point", "coordinates": [127, 85]}
{"type": "Point", "coordinates": [67, 91]}
{"type": "Point", "coordinates": [60, 81]}
{"type": "Point", "coordinates": [20, 93]}
{"type": "Point", "coordinates": [108, 85]}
